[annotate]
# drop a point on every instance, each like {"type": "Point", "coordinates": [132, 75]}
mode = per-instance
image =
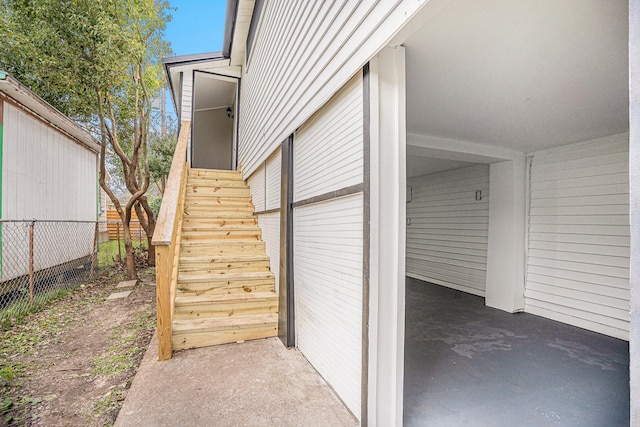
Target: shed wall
{"type": "Point", "coordinates": [578, 251]}
{"type": "Point", "coordinates": [447, 237]}
{"type": "Point", "coordinates": [46, 175]}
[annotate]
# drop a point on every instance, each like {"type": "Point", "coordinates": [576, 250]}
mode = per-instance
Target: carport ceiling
{"type": "Point", "coordinates": [517, 74]}
{"type": "Point", "coordinates": [212, 92]}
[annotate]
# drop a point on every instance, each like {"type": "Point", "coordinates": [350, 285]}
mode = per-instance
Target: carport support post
{"type": "Point", "coordinates": [634, 190]}
{"type": "Point", "coordinates": [507, 229]}
{"type": "Point", "coordinates": [387, 238]}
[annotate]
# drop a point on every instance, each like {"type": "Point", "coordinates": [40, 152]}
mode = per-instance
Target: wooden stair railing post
{"type": "Point", "coordinates": [166, 241]}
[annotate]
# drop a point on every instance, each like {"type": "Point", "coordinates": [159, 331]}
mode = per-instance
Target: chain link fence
{"type": "Point", "coordinates": [41, 259]}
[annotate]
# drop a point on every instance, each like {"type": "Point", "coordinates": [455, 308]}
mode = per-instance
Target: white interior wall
{"type": "Point", "coordinates": [578, 250]}
{"type": "Point", "coordinates": [212, 132]}
{"type": "Point", "coordinates": [448, 227]}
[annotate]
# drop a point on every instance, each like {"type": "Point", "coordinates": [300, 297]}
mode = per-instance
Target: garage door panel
{"type": "Point", "coordinates": [328, 291]}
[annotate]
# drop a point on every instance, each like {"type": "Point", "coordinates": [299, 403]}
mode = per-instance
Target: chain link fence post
{"type": "Point", "coordinates": [31, 254]}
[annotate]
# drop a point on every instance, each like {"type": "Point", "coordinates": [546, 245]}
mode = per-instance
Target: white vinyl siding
{"type": "Point", "coordinates": [270, 225]}
{"type": "Point", "coordinates": [45, 174]}
{"type": "Point", "coordinates": [301, 55]}
{"type": "Point", "coordinates": [256, 184]}
{"type": "Point", "coordinates": [327, 150]}
{"type": "Point", "coordinates": [328, 292]}
{"type": "Point", "coordinates": [187, 96]}
{"type": "Point", "coordinates": [447, 237]}
{"type": "Point", "coordinates": [273, 180]}
{"type": "Point", "coordinates": [264, 184]}
{"type": "Point", "coordinates": [578, 252]}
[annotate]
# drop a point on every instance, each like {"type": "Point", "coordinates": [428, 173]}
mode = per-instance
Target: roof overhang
{"type": "Point", "coordinates": [38, 106]}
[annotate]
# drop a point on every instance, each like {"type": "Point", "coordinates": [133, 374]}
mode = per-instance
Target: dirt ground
{"type": "Point", "coordinates": [72, 363]}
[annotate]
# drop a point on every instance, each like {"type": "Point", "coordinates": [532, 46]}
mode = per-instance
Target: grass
{"type": "Point", "coordinates": [123, 355]}
{"type": "Point", "coordinates": [108, 251]}
{"type": "Point", "coordinates": [16, 312]}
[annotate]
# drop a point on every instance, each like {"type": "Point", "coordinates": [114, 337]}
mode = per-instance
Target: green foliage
{"type": "Point", "coordinates": [155, 206]}
{"type": "Point", "coordinates": [161, 155]}
{"type": "Point", "coordinates": [98, 62]}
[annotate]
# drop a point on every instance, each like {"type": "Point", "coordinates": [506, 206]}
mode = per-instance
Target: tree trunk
{"type": "Point", "coordinates": [130, 259]}
{"type": "Point", "coordinates": [148, 223]}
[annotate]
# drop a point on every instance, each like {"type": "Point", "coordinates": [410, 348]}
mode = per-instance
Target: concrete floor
{"type": "Point", "coordinates": [256, 383]}
{"type": "Point", "coordinates": [470, 365]}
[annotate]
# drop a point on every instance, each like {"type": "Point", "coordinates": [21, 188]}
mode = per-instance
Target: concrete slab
{"type": "Point", "coordinates": [127, 284]}
{"type": "Point", "coordinates": [256, 383]}
{"type": "Point", "coordinates": [119, 295]}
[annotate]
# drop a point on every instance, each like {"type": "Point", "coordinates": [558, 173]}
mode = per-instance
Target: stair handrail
{"type": "Point", "coordinates": [166, 239]}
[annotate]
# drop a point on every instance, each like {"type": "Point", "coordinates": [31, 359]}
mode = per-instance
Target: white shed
{"type": "Point", "coordinates": [48, 170]}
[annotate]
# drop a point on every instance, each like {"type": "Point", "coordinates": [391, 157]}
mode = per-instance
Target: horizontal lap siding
{"type": "Point", "coordinates": [270, 225]}
{"type": "Point", "coordinates": [328, 149]}
{"type": "Point", "coordinates": [447, 237]}
{"type": "Point", "coordinates": [257, 188]}
{"type": "Point", "coordinates": [273, 180]}
{"type": "Point", "coordinates": [578, 254]}
{"type": "Point", "coordinates": [301, 55]}
{"type": "Point", "coordinates": [46, 175]}
{"type": "Point", "coordinates": [328, 292]}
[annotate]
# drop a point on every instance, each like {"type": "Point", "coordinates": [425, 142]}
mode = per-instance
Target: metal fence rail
{"type": "Point", "coordinates": [38, 259]}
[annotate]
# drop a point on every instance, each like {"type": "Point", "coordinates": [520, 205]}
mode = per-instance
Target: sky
{"type": "Point", "coordinates": [197, 26]}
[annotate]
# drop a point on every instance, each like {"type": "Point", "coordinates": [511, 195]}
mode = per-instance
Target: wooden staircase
{"type": "Point", "coordinates": [225, 291]}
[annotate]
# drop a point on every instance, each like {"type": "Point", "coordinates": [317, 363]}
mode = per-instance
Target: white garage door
{"type": "Point", "coordinates": [328, 241]}
{"type": "Point", "coordinates": [578, 253]}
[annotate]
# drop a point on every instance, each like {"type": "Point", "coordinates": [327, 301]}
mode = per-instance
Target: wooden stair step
{"type": "Point", "coordinates": [257, 262]}
{"type": "Point", "coordinates": [216, 174]}
{"type": "Point", "coordinates": [222, 247]}
{"type": "Point", "coordinates": [207, 202]}
{"type": "Point", "coordinates": [211, 259]}
{"type": "Point", "coordinates": [199, 191]}
{"type": "Point", "coordinates": [209, 182]}
{"type": "Point", "coordinates": [237, 267]}
{"type": "Point", "coordinates": [219, 209]}
{"type": "Point", "coordinates": [193, 333]}
{"type": "Point", "coordinates": [202, 277]}
{"type": "Point", "coordinates": [228, 287]}
{"type": "Point", "coordinates": [206, 306]}
{"type": "Point", "coordinates": [189, 223]}
{"type": "Point", "coordinates": [225, 234]}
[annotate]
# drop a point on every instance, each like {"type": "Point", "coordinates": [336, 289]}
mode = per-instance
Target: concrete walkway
{"type": "Point", "coordinates": [256, 383]}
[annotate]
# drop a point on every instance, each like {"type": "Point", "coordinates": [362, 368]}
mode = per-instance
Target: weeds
{"type": "Point", "coordinates": [17, 312]}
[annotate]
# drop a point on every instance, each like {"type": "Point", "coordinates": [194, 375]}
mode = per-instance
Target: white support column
{"type": "Point", "coordinates": [388, 199]}
{"type": "Point", "coordinates": [634, 177]}
{"type": "Point", "coordinates": [507, 227]}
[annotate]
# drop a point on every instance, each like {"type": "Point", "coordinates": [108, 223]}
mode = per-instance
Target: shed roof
{"type": "Point", "coordinates": [27, 98]}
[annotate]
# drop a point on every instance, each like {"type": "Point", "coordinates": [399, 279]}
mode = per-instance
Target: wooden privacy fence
{"type": "Point", "coordinates": [114, 225]}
